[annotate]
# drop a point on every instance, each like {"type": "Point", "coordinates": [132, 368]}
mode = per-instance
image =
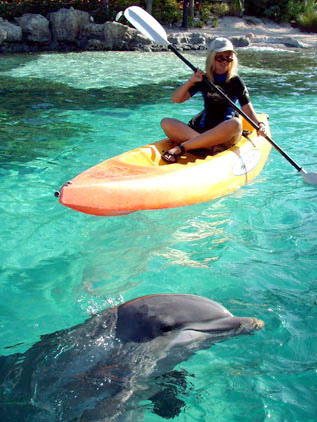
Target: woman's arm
{"type": "Point", "coordinates": [249, 111]}
{"type": "Point", "coordinates": [181, 94]}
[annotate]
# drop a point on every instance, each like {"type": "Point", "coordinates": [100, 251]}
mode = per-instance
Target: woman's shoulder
{"type": "Point", "coordinates": [237, 82]}
{"type": "Point", "coordinates": [237, 79]}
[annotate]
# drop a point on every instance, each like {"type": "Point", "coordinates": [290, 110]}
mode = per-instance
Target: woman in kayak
{"type": "Point", "coordinates": [218, 123]}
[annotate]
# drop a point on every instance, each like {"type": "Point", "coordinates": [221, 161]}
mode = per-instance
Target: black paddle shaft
{"type": "Point", "coordinates": [212, 86]}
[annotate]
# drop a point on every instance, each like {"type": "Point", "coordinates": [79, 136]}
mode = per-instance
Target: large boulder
{"type": "Point", "coordinates": [121, 37]}
{"type": "Point", "coordinates": [93, 31]}
{"type": "Point", "coordinates": [116, 35]}
{"type": "Point", "coordinates": [67, 24]}
{"type": "Point", "coordinates": [3, 35]}
{"type": "Point", "coordinates": [240, 41]}
{"type": "Point", "coordinates": [14, 32]}
{"type": "Point", "coordinates": [293, 42]}
{"type": "Point", "coordinates": [35, 27]}
{"type": "Point", "coordinates": [197, 38]}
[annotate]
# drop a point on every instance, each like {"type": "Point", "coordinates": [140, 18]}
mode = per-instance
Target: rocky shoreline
{"type": "Point", "coordinates": [74, 30]}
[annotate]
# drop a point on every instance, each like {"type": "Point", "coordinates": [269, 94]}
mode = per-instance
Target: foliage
{"type": "Point", "coordinates": [166, 11]}
{"type": "Point", "coordinates": [209, 13]}
{"type": "Point", "coordinates": [205, 12]}
{"type": "Point", "coordinates": [308, 19]}
{"type": "Point", "coordinates": [303, 12]}
{"type": "Point", "coordinates": [272, 9]}
{"type": "Point", "coordinates": [237, 8]}
{"type": "Point", "coordinates": [9, 9]}
{"type": "Point", "coordinates": [220, 9]}
{"type": "Point", "coordinates": [294, 9]}
{"type": "Point", "coordinates": [102, 14]}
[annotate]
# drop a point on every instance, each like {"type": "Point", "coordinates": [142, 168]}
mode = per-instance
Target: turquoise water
{"type": "Point", "coordinates": [254, 251]}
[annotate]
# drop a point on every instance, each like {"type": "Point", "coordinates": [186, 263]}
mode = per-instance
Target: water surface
{"type": "Point", "coordinates": [254, 250]}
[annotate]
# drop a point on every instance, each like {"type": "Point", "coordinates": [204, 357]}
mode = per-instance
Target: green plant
{"type": "Point", "coordinates": [273, 9]}
{"type": "Point", "coordinates": [273, 12]}
{"type": "Point", "coordinates": [308, 19]}
{"type": "Point", "coordinates": [294, 9]}
{"type": "Point", "coordinates": [205, 12]}
{"type": "Point", "coordinates": [237, 8]}
{"type": "Point", "coordinates": [166, 11]}
{"type": "Point", "coordinates": [214, 21]}
{"type": "Point", "coordinates": [199, 24]}
{"type": "Point", "coordinates": [219, 9]}
{"type": "Point", "coordinates": [9, 9]}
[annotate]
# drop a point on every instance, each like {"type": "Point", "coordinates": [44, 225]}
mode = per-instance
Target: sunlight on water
{"type": "Point", "coordinates": [120, 69]}
{"type": "Point", "coordinates": [254, 251]}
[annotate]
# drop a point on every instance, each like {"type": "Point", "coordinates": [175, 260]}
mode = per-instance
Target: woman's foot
{"type": "Point", "coordinates": [172, 155]}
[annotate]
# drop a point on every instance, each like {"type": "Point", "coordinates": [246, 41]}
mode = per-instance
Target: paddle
{"type": "Point", "coordinates": [153, 30]}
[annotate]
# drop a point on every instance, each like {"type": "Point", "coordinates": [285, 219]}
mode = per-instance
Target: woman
{"type": "Point", "coordinates": [218, 123]}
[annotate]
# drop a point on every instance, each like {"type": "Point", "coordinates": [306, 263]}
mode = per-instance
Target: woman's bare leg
{"type": "Point", "coordinates": [227, 131]}
{"type": "Point", "coordinates": [177, 131]}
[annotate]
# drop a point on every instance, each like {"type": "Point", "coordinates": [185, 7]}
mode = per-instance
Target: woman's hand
{"type": "Point", "coordinates": [249, 111]}
{"type": "Point", "coordinates": [181, 94]}
{"type": "Point", "coordinates": [262, 129]}
{"type": "Point", "coordinates": [197, 76]}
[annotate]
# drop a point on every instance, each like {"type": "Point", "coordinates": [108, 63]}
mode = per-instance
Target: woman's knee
{"type": "Point", "coordinates": [167, 123]}
{"type": "Point", "coordinates": [236, 129]}
{"type": "Point", "coordinates": [236, 123]}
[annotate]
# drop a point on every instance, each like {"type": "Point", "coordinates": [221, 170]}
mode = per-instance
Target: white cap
{"type": "Point", "coordinates": [221, 44]}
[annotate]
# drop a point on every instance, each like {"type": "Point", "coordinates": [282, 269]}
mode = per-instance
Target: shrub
{"type": "Point", "coordinates": [166, 11]}
{"type": "Point", "coordinates": [220, 9]}
{"type": "Point", "coordinates": [308, 19]}
{"type": "Point", "coordinates": [294, 9]}
{"type": "Point", "coordinates": [205, 12]}
{"type": "Point", "coordinates": [272, 9]}
{"type": "Point", "coordinates": [9, 9]}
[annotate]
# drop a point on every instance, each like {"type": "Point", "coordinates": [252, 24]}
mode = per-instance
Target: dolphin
{"type": "Point", "coordinates": [101, 369]}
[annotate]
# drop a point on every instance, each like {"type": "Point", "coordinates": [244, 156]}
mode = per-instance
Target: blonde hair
{"type": "Point", "coordinates": [210, 66]}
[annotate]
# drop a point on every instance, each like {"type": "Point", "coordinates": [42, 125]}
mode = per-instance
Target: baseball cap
{"type": "Point", "coordinates": [221, 44]}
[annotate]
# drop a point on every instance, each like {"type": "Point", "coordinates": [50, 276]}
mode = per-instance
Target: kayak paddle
{"type": "Point", "coordinates": [153, 30]}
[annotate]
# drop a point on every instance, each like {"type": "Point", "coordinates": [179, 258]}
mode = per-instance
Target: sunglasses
{"type": "Point", "coordinates": [222, 59]}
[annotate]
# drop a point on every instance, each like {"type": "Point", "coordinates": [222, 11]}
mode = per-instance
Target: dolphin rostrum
{"type": "Point", "coordinates": [101, 369]}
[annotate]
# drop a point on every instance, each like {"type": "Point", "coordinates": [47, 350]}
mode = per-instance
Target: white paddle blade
{"type": "Point", "coordinates": [118, 15]}
{"type": "Point", "coordinates": [146, 24]}
{"type": "Point", "coordinates": [310, 178]}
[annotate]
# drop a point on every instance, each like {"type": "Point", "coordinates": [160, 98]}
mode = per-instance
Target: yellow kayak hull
{"type": "Point", "coordinates": [140, 180]}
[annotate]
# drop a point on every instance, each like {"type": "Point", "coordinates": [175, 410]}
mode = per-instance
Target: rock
{"type": "Point", "coordinates": [67, 23]}
{"type": "Point", "coordinates": [115, 35]}
{"type": "Point", "coordinates": [292, 42]}
{"type": "Point", "coordinates": [250, 36]}
{"type": "Point", "coordinates": [240, 41]}
{"type": "Point", "coordinates": [121, 37]}
{"type": "Point", "coordinates": [197, 38]}
{"type": "Point", "coordinates": [70, 29]}
{"type": "Point", "coordinates": [93, 31]}
{"type": "Point", "coordinates": [140, 42]}
{"type": "Point", "coordinates": [35, 27]}
{"type": "Point", "coordinates": [95, 45]}
{"type": "Point", "coordinates": [252, 20]}
{"type": "Point", "coordinates": [3, 35]}
{"type": "Point", "coordinates": [14, 32]}
{"type": "Point", "coordinates": [178, 38]}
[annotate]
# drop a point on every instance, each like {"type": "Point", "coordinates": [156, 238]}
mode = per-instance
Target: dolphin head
{"type": "Point", "coordinates": [182, 318]}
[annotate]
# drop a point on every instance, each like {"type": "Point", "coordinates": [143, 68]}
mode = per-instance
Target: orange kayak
{"type": "Point", "coordinates": [140, 180]}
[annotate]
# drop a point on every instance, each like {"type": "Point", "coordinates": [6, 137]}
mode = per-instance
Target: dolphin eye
{"type": "Point", "coordinates": [167, 328]}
